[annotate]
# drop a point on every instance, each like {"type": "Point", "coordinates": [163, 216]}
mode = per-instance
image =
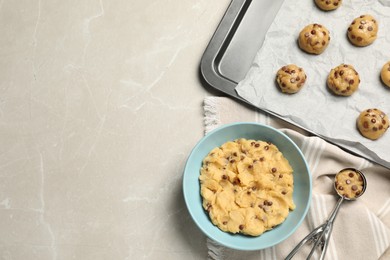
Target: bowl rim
{"type": "Point", "coordinates": [192, 213]}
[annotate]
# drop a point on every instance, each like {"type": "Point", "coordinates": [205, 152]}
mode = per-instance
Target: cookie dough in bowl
{"type": "Point", "coordinates": [247, 186]}
{"type": "Point", "coordinates": [385, 74]}
{"type": "Point", "coordinates": [314, 38]}
{"type": "Point", "coordinates": [363, 30]}
{"type": "Point", "coordinates": [290, 78]}
{"type": "Point", "coordinates": [343, 80]}
{"type": "Point", "coordinates": [372, 123]}
{"type": "Point", "coordinates": [328, 5]}
{"type": "Point", "coordinates": [266, 205]}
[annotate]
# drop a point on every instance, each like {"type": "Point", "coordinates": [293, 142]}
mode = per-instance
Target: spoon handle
{"type": "Point", "coordinates": [325, 236]}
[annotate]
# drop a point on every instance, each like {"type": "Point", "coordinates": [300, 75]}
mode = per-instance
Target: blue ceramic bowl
{"type": "Point", "coordinates": [302, 185]}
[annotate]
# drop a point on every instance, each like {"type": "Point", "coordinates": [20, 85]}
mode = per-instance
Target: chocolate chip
{"type": "Point", "coordinates": [232, 161]}
{"type": "Point", "coordinates": [354, 187]}
{"type": "Point", "coordinates": [225, 222]}
{"type": "Point", "coordinates": [323, 32]}
{"type": "Point", "coordinates": [348, 181]}
{"type": "Point", "coordinates": [351, 174]}
{"type": "Point", "coordinates": [359, 39]}
{"type": "Point", "coordinates": [257, 145]}
{"type": "Point", "coordinates": [261, 159]}
{"type": "Point", "coordinates": [313, 32]}
{"type": "Point", "coordinates": [241, 227]}
{"type": "Point", "coordinates": [351, 81]}
{"type": "Point", "coordinates": [373, 120]}
{"type": "Point", "coordinates": [266, 147]}
{"type": "Point", "coordinates": [292, 80]}
{"type": "Point", "coordinates": [307, 34]}
{"type": "Point", "coordinates": [369, 28]}
{"type": "Point", "coordinates": [250, 166]}
{"type": "Point", "coordinates": [274, 170]}
{"type": "Point", "coordinates": [235, 154]}
{"type": "Point", "coordinates": [375, 128]}
{"type": "Point", "coordinates": [284, 192]}
{"type": "Point", "coordinates": [341, 72]}
{"type": "Point", "coordinates": [281, 176]}
{"type": "Point", "coordinates": [361, 27]}
{"type": "Point", "coordinates": [340, 188]}
{"type": "Point", "coordinates": [224, 177]}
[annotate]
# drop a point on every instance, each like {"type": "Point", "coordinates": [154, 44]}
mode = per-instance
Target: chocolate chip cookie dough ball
{"type": "Point", "coordinates": [343, 80]}
{"type": "Point", "coordinates": [363, 30]}
{"type": "Point", "coordinates": [328, 5]}
{"type": "Point", "coordinates": [349, 183]}
{"type": "Point", "coordinates": [314, 38]}
{"type": "Point", "coordinates": [290, 78]}
{"type": "Point", "coordinates": [372, 123]}
{"type": "Point", "coordinates": [385, 74]}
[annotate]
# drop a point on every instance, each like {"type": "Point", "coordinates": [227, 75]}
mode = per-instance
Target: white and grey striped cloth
{"type": "Point", "coordinates": [362, 228]}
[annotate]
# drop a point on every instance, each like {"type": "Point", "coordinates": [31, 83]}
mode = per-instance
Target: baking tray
{"type": "Point", "coordinates": [231, 50]}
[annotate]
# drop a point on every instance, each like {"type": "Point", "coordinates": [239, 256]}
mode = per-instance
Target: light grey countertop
{"type": "Point", "coordinates": [100, 105]}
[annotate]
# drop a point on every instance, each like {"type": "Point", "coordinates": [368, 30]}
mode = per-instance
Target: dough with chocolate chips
{"type": "Point", "coordinates": [246, 186]}
{"type": "Point", "coordinates": [372, 123]}
{"type": "Point", "coordinates": [328, 5]}
{"type": "Point", "coordinates": [314, 38]}
{"type": "Point", "coordinates": [349, 183]}
{"type": "Point", "coordinates": [363, 30]}
{"type": "Point", "coordinates": [385, 74]}
{"type": "Point", "coordinates": [343, 80]}
{"type": "Point", "coordinates": [290, 78]}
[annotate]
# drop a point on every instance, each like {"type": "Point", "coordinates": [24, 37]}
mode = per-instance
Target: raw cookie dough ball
{"type": "Point", "coordinates": [314, 38]}
{"type": "Point", "coordinates": [372, 123]}
{"type": "Point", "coordinates": [385, 74]}
{"type": "Point", "coordinates": [343, 80]}
{"type": "Point", "coordinates": [328, 5]}
{"type": "Point", "coordinates": [349, 183]}
{"type": "Point", "coordinates": [363, 30]}
{"type": "Point", "coordinates": [290, 78]}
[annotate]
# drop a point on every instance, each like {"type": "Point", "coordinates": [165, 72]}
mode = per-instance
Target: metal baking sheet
{"type": "Point", "coordinates": [231, 50]}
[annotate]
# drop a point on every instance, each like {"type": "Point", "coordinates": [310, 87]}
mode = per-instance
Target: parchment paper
{"type": "Point", "coordinates": [315, 107]}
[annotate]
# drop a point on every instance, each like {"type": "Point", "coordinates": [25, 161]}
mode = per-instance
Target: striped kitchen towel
{"type": "Point", "coordinates": [362, 228]}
